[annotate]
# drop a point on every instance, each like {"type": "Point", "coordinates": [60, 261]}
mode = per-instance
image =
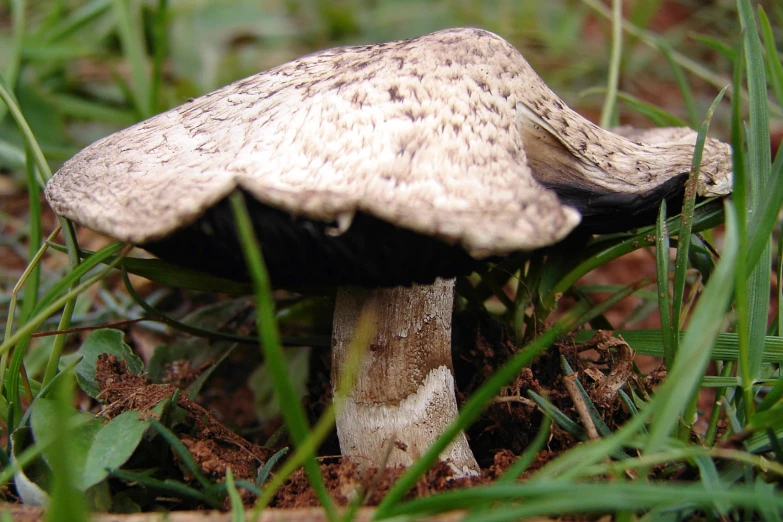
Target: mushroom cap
{"type": "Point", "coordinates": [716, 179]}
{"type": "Point", "coordinates": [427, 134]}
{"type": "Point", "coordinates": [419, 133]}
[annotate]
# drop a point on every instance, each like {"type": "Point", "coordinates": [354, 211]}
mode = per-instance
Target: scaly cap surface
{"type": "Point", "coordinates": [422, 133]}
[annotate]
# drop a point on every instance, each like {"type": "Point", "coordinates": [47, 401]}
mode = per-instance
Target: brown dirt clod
{"type": "Point", "coordinates": [214, 447]}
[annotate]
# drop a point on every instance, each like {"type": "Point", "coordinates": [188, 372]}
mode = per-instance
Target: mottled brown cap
{"type": "Point", "coordinates": [429, 134]}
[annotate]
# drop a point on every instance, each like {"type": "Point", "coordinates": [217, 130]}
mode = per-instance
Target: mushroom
{"type": "Point", "coordinates": [387, 170]}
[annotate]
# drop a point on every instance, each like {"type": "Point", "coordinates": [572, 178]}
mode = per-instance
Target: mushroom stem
{"type": "Point", "coordinates": [403, 394]}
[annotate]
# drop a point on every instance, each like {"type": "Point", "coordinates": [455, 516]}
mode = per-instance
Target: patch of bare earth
{"type": "Point", "coordinates": [214, 447]}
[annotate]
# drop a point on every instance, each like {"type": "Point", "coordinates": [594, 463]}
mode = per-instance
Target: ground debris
{"type": "Point", "coordinates": [122, 390]}
{"type": "Point", "coordinates": [213, 446]}
{"type": "Point", "coordinates": [603, 366]}
{"type": "Point", "coordinates": [346, 482]}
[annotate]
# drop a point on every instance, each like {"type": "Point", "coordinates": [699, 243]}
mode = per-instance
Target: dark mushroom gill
{"type": "Point", "coordinates": [300, 251]}
{"type": "Point", "coordinates": [605, 211]}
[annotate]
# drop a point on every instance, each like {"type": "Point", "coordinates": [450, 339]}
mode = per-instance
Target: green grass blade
{"type": "Point", "coordinates": [681, 262]}
{"type": "Point", "coordinates": [761, 228]}
{"type": "Point", "coordinates": [710, 479]}
{"type": "Point", "coordinates": [68, 308]}
{"type": "Point", "coordinates": [572, 464]}
{"type": "Point", "coordinates": [361, 341]}
{"type": "Point", "coordinates": [31, 279]}
{"type": "Point", "coordinates": [606, 304]}
{"type": "Point", "coordinates": [609, 111]}
{"type": "Point", "coordinates": [664, 303]}
{"type": "Point", "coordinates": [768, 513]}
{"type": "Point", "coordinates": [780, 282]}
{"type": "Point", "coordinates": [595, 417]}
{"type": "Point", "coordinates": [171, 275]}
{"type": "Point", "coordinates": [682, 82]}
{"type": "Point", "coordinates": [754, 315]}
{"type": "Point", "coordinates": [594, 261]}
{"type": "Point", "coordinates": [179, 448]}
{"type": "Point", "coordinates": [237, 508]}
{"type": "Point", "coordinates": [155, 314]}
{"type": "Point", "coordinates": [132, 38]}
{"type": "Point", "coordinates": [18, 9]}
{"type": "Point", "coordinates": [66, 503]}
{"type": "Point", "coordinates": [294, 415]}
{"type": "Point", "coordinates": [15, 377]}
{"type": "Point", "coordinates": [303, 451]}
{"type": "Point", "coordinates": [694, 67]}
{"type": "Point", "coordinates": [607, 248]}
{"type": "Point", "coordinates": [38, 319]}
{"type": "Point", "coordinates": [159, 44]}
{"type": "Point", "coordinates": [689, 201]}
{"type": "Point", "coordinates": [68, 232]}
{"type": "Point", "coordinates": [774, 66]}
{"type": "Point", "coordinates": [9, 327]}
{"type": "Point", "coordinates": [683, 379]}
{"type": "Point", "coordinates": [13, 108]}
{"type": "Point", "coordinates": [558, 417]}
{"type": "Point", "coordinates": [104, 255]}
{"type": "Point", "coordinates": [177, 489]}
{"type": "Point", "coordinates": [717, 406]}
{"type": "Point", "coordinates": [660, 117]}
{"type": "Point", "coordinates": [34, 239]}
{"type": "Point", "coordinates": [725, 50]}
{"type": "Point", "coordinates": [773, 396]}
{"type": "Point", "coordinates": [631, 406]}
{"type": "Point", "coordinates": [77, 20]}
{"type": "Point", "coordinates": [263, 473]}
{"type": "Point", "coordinates": [557, 498]}
{"type": "Point", "coordinates": [652, 40]}
{"type": "Point", "coordinates": [759, 155]}
{"type": "Point", "coordinates": [246, 484]}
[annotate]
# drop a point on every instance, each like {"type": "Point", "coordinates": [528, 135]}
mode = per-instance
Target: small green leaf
{"type": "Point", "coordinates": [237, 508]}
{"type": "Point", "coordinates": [560, 418]}
{"type": "Point", "coordinates": [112, 447]}
{"type": "Point", "coordinates": [264, 472]}
{"type": "Point", "coordinates": [44, 422]}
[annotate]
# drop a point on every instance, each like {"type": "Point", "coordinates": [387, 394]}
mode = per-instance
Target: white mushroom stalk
{"type": "Point", "coordinates": [364, 163]}
{"type": "Point", "coordinates": [403, 396]}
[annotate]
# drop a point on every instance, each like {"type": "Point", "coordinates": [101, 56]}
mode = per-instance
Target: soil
{"type": "Point", "coordinates": [213, 446]}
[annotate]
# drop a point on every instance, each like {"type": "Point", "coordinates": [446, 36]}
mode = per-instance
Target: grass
{"type": "Point", "coordinates": [732, 472]}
